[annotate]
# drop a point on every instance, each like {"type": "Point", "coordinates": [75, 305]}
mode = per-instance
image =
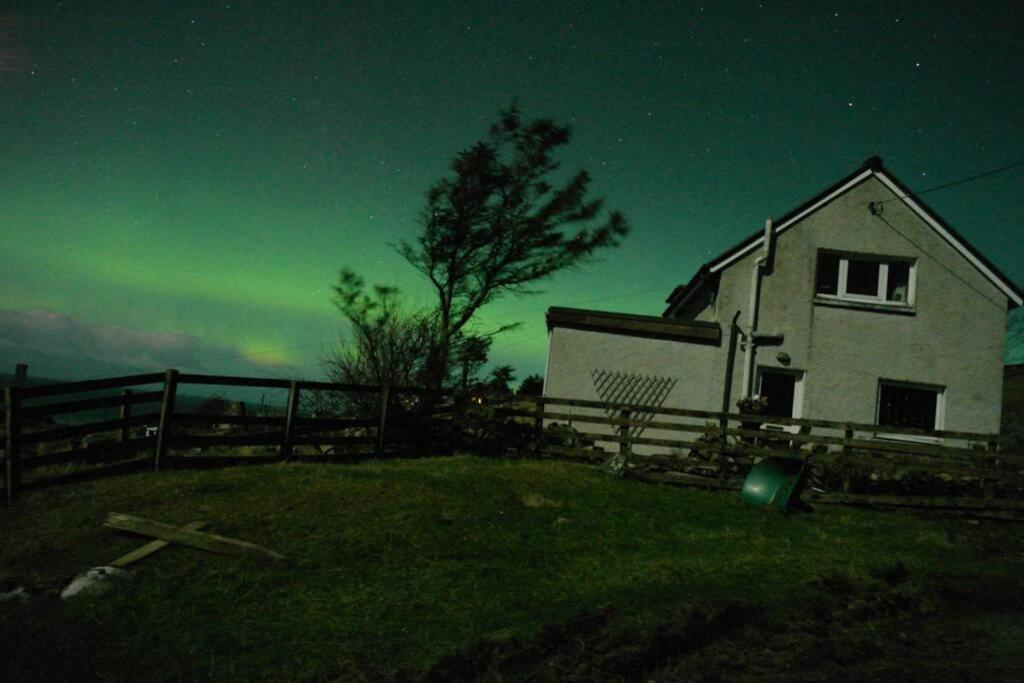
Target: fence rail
{"type": "Point", "coordinates": [690, 446]}
{"type": "Point", "coordinates": [716, 449]}
{"type": "Point", "coordinates": [28, 425]}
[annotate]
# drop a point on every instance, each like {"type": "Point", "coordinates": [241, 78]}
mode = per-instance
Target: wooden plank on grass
{"type": "Point", "coordinates": [953, 502]}
{"type": "Point", "coordinates": [150, 548]}
{"type": "Point", "coordinates": [681, 478]}
{"type": "Point", "coordinates": [197, 539]}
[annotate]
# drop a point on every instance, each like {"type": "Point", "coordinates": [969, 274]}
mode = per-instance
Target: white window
{"type": "Point", "coordinates": [903, 404]}
{"type": "Point", "coordinates": [865, 278]}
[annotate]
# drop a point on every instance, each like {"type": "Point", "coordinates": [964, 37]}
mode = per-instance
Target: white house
{"type": "Point", "coordinates": [859, 305]}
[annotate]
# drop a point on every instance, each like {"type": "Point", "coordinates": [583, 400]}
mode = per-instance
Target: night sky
{"type": "Point", "coordinates": [180, 182]}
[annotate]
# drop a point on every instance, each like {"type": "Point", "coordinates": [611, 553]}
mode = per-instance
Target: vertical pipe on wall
{"type": "Point", "coordinates": [760, 263]}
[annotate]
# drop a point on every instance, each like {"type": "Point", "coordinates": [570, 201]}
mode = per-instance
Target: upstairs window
{"type": "Point", "coordinates": [864, 278]}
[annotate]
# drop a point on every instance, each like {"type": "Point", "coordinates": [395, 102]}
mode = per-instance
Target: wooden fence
{"type": "Point", "coordinates": [716, 449]}
{"type": "Point", "coordinates": [149, 428]}
{"type": "Point", "coordinates": [713, 449]}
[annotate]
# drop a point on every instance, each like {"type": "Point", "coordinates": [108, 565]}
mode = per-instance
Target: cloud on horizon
{"type": "Point", "coordinates": [62, 346]}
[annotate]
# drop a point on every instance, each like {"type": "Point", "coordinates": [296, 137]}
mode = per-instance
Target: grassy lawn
{"type": "Point", "coordinates": [469, 568]}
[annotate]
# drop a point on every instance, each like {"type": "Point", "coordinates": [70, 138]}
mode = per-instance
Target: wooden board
{"type": "Point", "coordinates": [951, 502]}
{"type": "Point", "coordinates": [93, 403]}
{"type": "Point", "coordinates": [150, 548]}
{"type": "Point", "coordinates": [680, 478]}
{"type": "Point", "coordinates": [197, 539]}
{"type": "Point", "coordinates": [90, 385]}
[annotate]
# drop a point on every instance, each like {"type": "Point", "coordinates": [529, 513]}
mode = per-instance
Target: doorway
{"type": "Point", "coordinates": [783, 389]}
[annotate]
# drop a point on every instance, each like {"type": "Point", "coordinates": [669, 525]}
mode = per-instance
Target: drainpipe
{"type": "Point", "coordinates": [760, 263]}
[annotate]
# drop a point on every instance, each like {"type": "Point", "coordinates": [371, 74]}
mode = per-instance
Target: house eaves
{"type": "Point", "coordinates": [649, 326]}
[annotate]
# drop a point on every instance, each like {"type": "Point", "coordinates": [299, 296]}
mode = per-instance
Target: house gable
{"type": "Point", "coordinates": [949, 333]}
{"type": "Point", "coordinates": [872, 168]}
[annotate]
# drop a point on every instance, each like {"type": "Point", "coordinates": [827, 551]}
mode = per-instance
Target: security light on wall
{"type": "Point", "coordinates": [768, 338]}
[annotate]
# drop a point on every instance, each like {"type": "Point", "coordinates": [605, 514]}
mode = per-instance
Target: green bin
{"type": "Point", "coordinates": [775, 482]}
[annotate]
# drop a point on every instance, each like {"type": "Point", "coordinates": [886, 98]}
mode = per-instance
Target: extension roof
{"type": "Point", "coordinates": [650, 326]}
{"type": "Point", "coordinates": [870, 168]}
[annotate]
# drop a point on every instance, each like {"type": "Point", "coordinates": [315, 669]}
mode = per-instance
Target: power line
{"type": "Point", "coordinates": [980, 293]}
{"type": "Point", "coordinates": [956, 182]}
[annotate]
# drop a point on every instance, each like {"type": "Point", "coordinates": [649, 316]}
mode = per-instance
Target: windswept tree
{"type": "Point", "coordinates": [468, 355]}
{"type": "Point", "coordinates": [388, 345]}
{"type": "Point", "coordinates": [499, 224]}
{"type": "Point", "coordinates": [532, 385]}
{"type": "Point", "coordinates": [498, 385]}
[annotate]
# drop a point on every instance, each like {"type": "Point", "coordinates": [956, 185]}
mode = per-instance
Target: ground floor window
{"type": "Point", "coordinates": [918, 406]}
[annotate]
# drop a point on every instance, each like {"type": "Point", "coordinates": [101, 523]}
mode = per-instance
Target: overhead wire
{"type": "Point", "coordinates": [877, 212]}
{"type": "Point", "coordinates": [949, 270]}
{"type": "Point", "coordinates": [961, 181]}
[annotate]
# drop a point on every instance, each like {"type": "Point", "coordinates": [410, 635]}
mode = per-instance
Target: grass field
{"type": "Point", "coordinates": [463, 568]}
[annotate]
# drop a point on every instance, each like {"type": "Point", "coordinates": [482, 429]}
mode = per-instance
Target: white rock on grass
{"type": "Point", "coordinates": [93, 582]}
{"type": "Point", "coordinates": [16, 593]}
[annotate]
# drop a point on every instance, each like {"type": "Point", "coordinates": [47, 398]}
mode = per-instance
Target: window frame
{"type": "Point", "coordinates": [879, 298]}
{"type": "Point", "coordinates": [940, 410]}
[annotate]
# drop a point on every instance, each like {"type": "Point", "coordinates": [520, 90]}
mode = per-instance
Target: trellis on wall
{"type": "Point", "coordinates": [624, 387]}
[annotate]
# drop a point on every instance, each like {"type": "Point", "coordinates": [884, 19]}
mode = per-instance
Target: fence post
{"type": "Point", "coordinates": [163, 437]}
{"type": "Point", "coordinates": [12, 452]}
{"type": "Point", "coordinates": [847, 452]}
{"type": "Point", "coordinates": [624, 448]}
{"type": "Point", "coordinates": [289, 419]}
{"type": "Point", "coordinates": [723, 424]}
{"type": "Point", "coordinates": [538, 425]}
{"type": "Point", "coordinates": [385, 400]}
{"type": "Point", "coordinates": [126, 412]}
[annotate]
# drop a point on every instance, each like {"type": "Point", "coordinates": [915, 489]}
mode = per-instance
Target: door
{"type": "Point", "coordinates": [784, 391]}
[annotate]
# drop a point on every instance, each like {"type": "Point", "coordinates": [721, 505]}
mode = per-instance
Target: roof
{"type": "Point", "coordinates": [871, 168]}
{"type": "Point", "coordinates": [650, 326]}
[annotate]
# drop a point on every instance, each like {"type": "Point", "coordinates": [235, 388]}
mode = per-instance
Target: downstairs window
{"type": "Point", "coordinates": [918, 406]}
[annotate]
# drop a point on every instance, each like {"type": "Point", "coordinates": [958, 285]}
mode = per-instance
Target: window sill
{"type": "Point", "coordinates": [897, 309]}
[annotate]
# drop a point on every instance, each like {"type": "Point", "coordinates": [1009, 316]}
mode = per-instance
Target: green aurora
{"type": "Point", "coordinates": [207, 168]}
